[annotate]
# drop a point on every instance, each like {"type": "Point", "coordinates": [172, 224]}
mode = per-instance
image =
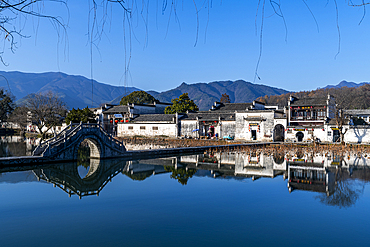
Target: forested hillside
{"type": "Point", "coordinates": [346, 98]}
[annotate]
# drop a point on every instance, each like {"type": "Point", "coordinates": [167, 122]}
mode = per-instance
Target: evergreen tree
{"type": "Point", "coordinates": [138, 97]}
{"type": "Point", "coordinates": [6, 104]}
{"type": "Point", "coordinates": [80, 115]}
{"type": "Point", "coordinates": [181, 105]}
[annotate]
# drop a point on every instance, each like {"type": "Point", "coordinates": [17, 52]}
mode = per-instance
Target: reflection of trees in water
{"type": "Point", "coordinates": [138, 176]}
{"type": "Point", "coordinates": [180, 174]}
{"type": "Point", "coordinates": [83, 155]}
{"type": "Point", "coordinates": [12, 149]}
{"type": "Point", "coordinates": [346, 191]}
{"type": "Point", "coordinates": [279, 158]}
{"type": "Point", "coordinates": [300, 154]}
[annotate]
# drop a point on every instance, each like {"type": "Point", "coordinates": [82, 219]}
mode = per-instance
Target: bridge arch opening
{"type": "Point", "coordinates": [87, 170]}
{"type": "Point", "coordinates": [95, 149]}
{"type": "Point", "coordinates": [279, 158]}
{"type": "Point", "coordinates": [89, 148]}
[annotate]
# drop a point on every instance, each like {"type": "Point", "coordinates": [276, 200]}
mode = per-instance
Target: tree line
{"type": "Point", "coordinates": [345, 97]}
{"type": "Point", "coordinates": [47, 110]}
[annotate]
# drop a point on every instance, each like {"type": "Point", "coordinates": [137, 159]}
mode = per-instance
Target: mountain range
{"type": "Point", "coordinates": [346, 84]}
{"type": "Point", "coordinates": [79, 92]}
{"type": "Point", "coordinates": [205, 94]}
{"type": "Point", "coordinates": [74, 90]}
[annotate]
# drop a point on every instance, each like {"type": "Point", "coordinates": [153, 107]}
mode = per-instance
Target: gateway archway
{"type": "Point", "coordinates": [279, 133]}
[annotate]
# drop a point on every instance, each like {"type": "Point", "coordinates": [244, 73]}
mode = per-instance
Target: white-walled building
{"type": "Point", "coordinates": [150, 125]}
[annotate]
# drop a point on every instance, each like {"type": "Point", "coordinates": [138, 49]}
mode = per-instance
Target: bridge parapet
{"type": "Point", "coordinates": [65, 145]}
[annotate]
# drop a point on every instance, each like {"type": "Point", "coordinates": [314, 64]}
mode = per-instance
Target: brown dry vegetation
{"type": "Point", "coordinates": [296, 149]}
{"type": "Point", "coordinates": [325, 149]}
{"type": "Point", "coordinates": [173, 143]}
{"type": "Point", "coordinates": [346, 98]}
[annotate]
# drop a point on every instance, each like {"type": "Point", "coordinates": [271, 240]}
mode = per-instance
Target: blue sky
{"type": "Point", "coordinates": [163, 52]}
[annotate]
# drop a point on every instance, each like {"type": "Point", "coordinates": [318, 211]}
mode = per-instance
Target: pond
{"type": "Point", "coordinates": [206, 199]}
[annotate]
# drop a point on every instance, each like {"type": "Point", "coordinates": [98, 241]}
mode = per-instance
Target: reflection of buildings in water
{"type": "Point", "coordinates": [321, 172]}
{"type": "Point", "coordinates": [9, 139]}
{"type": "Point", "coordinates": [356, 160]}
{"type": "Point", "coordinates": [312, 172]}
{"type": "Point", "coordinates": [237, 164]}
{"type": "Point", "coordinates": [140, 170]}
{"type": "Point", "coordinates": [258, 165]}
{"type": "Point", "coordinates": [17, 146]}
{"type": "Point", "coordinates": [219, 164]}
{"type": "Point", "coordinates": [311, 177]}
{"type": "Point", "coordinates": [317, 173]}
{"type": "Point", "coordinates": [31, 144]}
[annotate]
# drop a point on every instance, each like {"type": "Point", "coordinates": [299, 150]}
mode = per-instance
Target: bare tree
{"type": "Point", "coordinates": [346, 191]}
{"type": "Point", "coordinates": [225, 98]}
{"type": "Point", "coordinates": [341, 121]}
{"type": "Point", "coordinates": [6, 104]}
{"type": "Point", "coordinates": [46, 110]}
{"type": "Point", "coordinates": [15, 13]}
{"type": "Point", "coordinates": [20, 117]}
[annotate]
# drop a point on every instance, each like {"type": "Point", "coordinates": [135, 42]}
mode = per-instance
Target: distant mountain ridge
{"type": "Point", "coordinates": [74, 90]}
{"type": "Point", "coordinates": [205, 94]}
{"type": "Point", "coordinates": [346, 84]}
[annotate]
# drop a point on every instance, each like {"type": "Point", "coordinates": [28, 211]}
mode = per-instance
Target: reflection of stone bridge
{"type": "Point", "coordinates": [65, 145]}
{"type": "Point", "coordinates": [67, 177]}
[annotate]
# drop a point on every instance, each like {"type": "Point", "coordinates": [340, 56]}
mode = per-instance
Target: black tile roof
{"type": "Point", "coordinates": [309, 102]}
{"type": "Point", "coordinates": [117, 109]}
{"type": "Point", "coordinates": [233, 107]}
{"type": "Point", "coordinates": [357, 112]}
{"type": "Point", "coordinates": [210, 116]}
{"type": "Point", "coordinates": [155, 118]}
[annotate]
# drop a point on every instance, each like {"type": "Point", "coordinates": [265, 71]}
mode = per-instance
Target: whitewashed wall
{"type": "Point", "coordinates": [187, 127]}
{"type": "Point", "coordinates": [266, 128]}
{"type": "Point", "coordinates": [227, 128]}
{"type": "Point", "coordinates": [169, 129]}
{"type": "Point", "coordinates": [357, 134]}
{"type": "Point", "coordinates": [310, 133]}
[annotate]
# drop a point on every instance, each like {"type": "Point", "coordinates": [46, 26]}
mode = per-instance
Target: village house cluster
{"type": "Point", "coordinates": [303, 120]}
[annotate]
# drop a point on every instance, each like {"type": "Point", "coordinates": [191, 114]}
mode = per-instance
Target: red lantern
{"type": "Point", "coordinates": [126, 120]}
{"type": "Point", "coordinates": [111, 121]}
{"type": "Point", "coordinates": [122, 121]}
{"type": "Point", "coordinates": [116, 121]}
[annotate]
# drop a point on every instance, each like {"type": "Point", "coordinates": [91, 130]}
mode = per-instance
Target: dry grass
{"type": "Point", "coordinates": [172, 142]}
{"type": "Point", "coordinates": [289, 148]}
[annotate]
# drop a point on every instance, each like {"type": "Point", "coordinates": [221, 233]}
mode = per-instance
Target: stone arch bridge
{"type": "Point", "coordinates": [65, 145]}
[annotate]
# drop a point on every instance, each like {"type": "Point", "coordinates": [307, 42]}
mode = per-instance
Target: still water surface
{"type": "Point", "coordinates": [219, 199]}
